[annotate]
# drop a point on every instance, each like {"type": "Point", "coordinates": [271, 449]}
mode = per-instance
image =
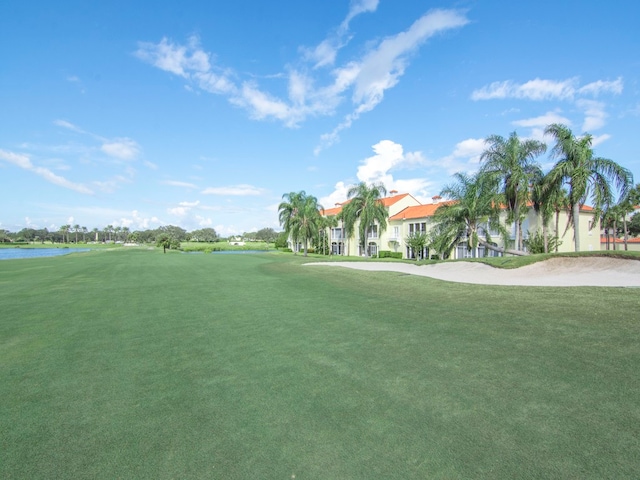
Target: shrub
{"type": "Point", "coordinates": [535, 243]}
{"type": "Point", "coordinates": [389, 254]}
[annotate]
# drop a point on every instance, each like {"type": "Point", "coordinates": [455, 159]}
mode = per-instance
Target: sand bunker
{"type": "Point", "coordinates": [556, 272]}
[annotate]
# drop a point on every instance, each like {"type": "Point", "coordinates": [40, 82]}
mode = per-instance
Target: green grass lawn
{"type": "Point", "coordinates": [137, 365]}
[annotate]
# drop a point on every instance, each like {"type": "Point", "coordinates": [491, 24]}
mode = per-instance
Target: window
{"type": "Point", "coordinates": [417, 227]}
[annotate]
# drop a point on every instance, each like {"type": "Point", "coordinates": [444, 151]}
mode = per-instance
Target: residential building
{"type": "Point", "coordinates": [408, 215]}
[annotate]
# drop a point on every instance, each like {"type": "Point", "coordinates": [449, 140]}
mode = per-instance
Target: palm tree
{"type": "Point", "coordinates": [548, 199]}
{"type": "Point", "coordinates": [366, 207]}
{"type": "Point", "coordinates": [109, 230]}
{"type": "Point", "coordinates": [474, 210]}
{"type": "Point", "coordinates": [587, 177]}
{"type": "Point", "coordinates": [64, 229]}
{"type": "Point", "coordinates": [416, 241]}
{"type": "Point", "coordinates": [288, 211]}
{"type": "Point", "coordinates": [512, 161]}
{"type": "Point", "coordinates": [76, 229]}
{"type": "Point", "coordinates": [300, 215]}
{"type": "Point", "coordinates": [324, 224]}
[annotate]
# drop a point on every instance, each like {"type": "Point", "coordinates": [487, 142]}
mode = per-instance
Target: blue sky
{"type": "Point", "coordinates": [202, 114]}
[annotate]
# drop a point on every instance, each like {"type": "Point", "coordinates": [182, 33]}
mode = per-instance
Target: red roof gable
{"type": "Point", "coordinates": [386, 201]}
{"type": "Point", "coordinates": [418, 211]}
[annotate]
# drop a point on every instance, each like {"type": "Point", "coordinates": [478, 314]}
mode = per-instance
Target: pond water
{"type": "Point", "coordinates": [13, 253]}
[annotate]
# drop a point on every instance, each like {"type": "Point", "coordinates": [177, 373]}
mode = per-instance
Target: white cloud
{"type": "Point", "coordinates": [595, 88]}
{"type": "Point", "coordinates": [262, 105]}
{"type": "Point", "coordinates": [25, 163]}
{"type": "Point", "coordinates": [378, 70]}
{"type": "Point", "coordinates": [68, 126]}
{"type": "Point", "coordinates": [190, 204]}
{"type": "Point", "coordinates": [338, 195]}
{"type": "Point", "coordinates": [204, 222]}
{"type": "Point", "coordinates": [543, 89]}
{"type": "Point", "coordinates": [465, 156]}
{"type": "Point", "coordinates": [175, 183]}
{"type": "Point", "coordinates": [177, 59]}
{"type": "Point", "coordinates": [595, 116]}
{"type": "Point", "coordinates": [324, 54]}
{"type": "Point", "coordinates": [381, 68]}
{"type": "Point", "coordinates": [542, 120]}
{"type": "Point", "coordinates": [536, 89]}
{"type": "Point", "coordinates": [122, 148]}
{"type": "Point", "coordinates": [234, 190]}
{"type": "Point", "coordinates": [137, 222]}
{"type": "Point", "coordinates": [178, 211]}
{"type": "Point", "coordinates": [469, 148]}
{"type": "Point", "coordinates": [598, 139]}
{"type": "Point", "coordinates": [388, 156]}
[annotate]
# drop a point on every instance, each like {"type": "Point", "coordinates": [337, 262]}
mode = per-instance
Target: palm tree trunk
{"type": "Point", "coordinates": [576, 226]}
{"type": "Point", "coordinates": [544, 236]}
{"type": "Point", "coordinates": [615, 234]}
{"type": "Point", "coordinates": [557, 229]}
{"type": "Point", "coordinates": [626, 233]}
{"type": "Point", "coordinates": [519, 253]}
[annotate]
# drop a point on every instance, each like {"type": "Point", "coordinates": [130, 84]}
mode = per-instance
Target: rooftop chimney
{"type": "Point", "coordinates": [393, 192]}
{"type": "Point", "coordinates": [436, 198]}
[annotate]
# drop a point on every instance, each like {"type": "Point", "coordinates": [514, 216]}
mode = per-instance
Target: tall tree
{"type": "Point", "coordinates": [416, 241]}
{"type": "Point", "coordinates": [512, 162]}
{"type": "Point", "coordinates": [300, 216]}
{"type": "Point", "coordinates": [474, 210]}
{"type": "Point", "coordinates": [326, 225]}
{"type": "Point", "coordinates": [64, 230]}
{"type": "Point", "coordinates": [288, 212]}
{"type": "Point", "coordinates": [76, 229]}
{"type": "Point", "coordinates": [366, 207]}
{"type": "Point", "coordinates": [588, 177]}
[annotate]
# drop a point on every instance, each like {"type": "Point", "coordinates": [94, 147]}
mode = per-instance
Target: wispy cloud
{"type": "Point", "coordinates": [234, 190]}
{"type": "Point", "coordinates": [324, 54]}
{"type": "Point", "coordinates": [175, 183]}
{"type": "Point", "coordinates": [68, 126]}
{"type": "Point", "coordinates": [121, 148]}
{"type": "Point", "coordinates": [381, 68]}
{"type": "Point", "coordinates": [536, 89]}
{"type": "Point", "coordinates": [542, 120]}
{"type": "Point", "coordinates": [24, 162]}
{"type": "Point", "coordinates": [568, 90]}
{"type": "Point", "coordinates": [544, 89]}
{"type": "Point", "coordinates": [594, 114]}
{"type": "Point", "coordinates": [367, 77]}
{"type": "Point", "coordinates": [184, 208]}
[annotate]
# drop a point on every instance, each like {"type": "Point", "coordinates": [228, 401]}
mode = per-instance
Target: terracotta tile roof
{"type": "Point", "coordinates": [330, 212]}
{"type": "Point", "coordinates": [386, 201]}
{"type": "Point", "coordinates": [419, 211]}
{"type": "Point", "coordinates": [603, 239]}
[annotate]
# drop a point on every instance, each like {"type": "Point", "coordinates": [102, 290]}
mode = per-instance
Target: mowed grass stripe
{"type": "Point", "coordinates": [135, 364]}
